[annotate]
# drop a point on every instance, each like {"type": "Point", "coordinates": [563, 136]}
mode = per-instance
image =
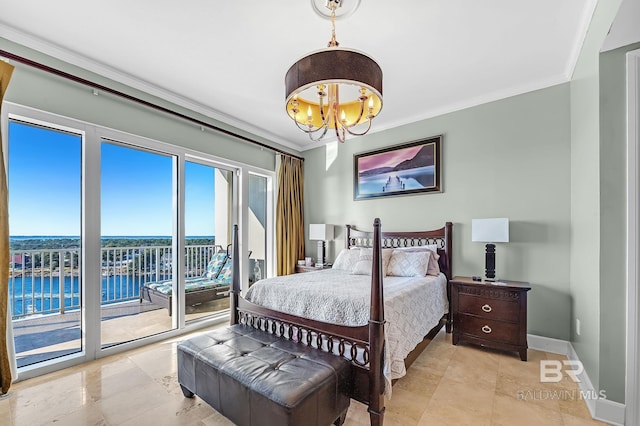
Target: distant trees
{"type": "Point", "coordinates": [69, 243]}
{"type": "Point", "coordinates": [124, 253]}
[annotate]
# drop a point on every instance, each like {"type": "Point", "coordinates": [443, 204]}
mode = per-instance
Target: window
{"type": "Point", "coordinates": [114, 213]}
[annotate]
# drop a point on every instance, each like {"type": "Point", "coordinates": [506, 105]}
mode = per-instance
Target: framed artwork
{"type": "Point", "coordinates": [409, 168]}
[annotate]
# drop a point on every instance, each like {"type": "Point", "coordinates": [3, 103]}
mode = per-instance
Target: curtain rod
{"type": "Point", "coordinates": [148, 104]}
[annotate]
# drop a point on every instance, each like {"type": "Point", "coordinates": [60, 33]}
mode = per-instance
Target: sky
{"type": "Point", "coordinates": [387, 159]}
{"type": "Point", "coordinates": [136, 188]}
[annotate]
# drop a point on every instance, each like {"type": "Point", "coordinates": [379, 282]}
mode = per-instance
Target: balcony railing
{"type": "Point", "coordinates": [36, 275]}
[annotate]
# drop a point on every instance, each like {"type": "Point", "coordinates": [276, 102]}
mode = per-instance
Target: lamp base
{"type": "Point", "coordinates": [320, 261]}
{"type": "Point", "coordinates": [490, 263]}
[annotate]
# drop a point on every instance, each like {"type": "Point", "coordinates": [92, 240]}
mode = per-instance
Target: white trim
{"type": "Point", "coordinates": [548, 344]}
{"type": "Point", "coordinates": [610, 412]}
{"type": "Point", "coordinates": [101, 69]}
{"type": "Point", "coordinates": [452, 107]}
{"type": "Point", "coordinates": [581, 36]}
{"type": "Point", "coordinates": [633, 302]}
{"type": "Point", "coordinates": [600, 409]}
{"type": "Point", "coordinates": [98, 68]}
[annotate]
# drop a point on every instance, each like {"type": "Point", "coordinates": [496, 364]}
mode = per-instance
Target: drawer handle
{"type": "Point", "coordinates": [486, 308]}
{"type": "Point", "coordinates": [486, 329]}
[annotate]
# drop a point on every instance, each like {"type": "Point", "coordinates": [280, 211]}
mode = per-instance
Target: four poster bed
{"type": "Point", "coordinates": [370, 345]}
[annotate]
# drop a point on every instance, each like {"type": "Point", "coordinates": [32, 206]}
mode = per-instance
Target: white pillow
{"type": "Point", "coordinates": [434, 267]}
{"type": "Point", "coordinates": [365, 262]}
{"type": "Point", "coordinates": [347, 259]}
{"type": "Point", "coordinates": [409, 263]}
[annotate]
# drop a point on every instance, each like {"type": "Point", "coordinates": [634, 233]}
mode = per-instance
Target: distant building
{"type": "Point", "coordinates": [16, 261]}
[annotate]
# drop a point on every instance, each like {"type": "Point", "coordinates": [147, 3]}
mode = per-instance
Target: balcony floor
{"type": "Point", "coordinates": [45, 337]}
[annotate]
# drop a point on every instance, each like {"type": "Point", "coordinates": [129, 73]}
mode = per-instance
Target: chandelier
{"type": "Point", "coordinates": [334, 88]}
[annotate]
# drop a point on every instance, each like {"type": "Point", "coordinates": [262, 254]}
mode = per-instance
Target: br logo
{"type": "Point", "coordinates": [551, 370]}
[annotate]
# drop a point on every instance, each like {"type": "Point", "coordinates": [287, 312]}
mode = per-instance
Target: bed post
{"type": "Point", "coordinates": [376, 333]}
{"type": "Point", "coordinates": [448, 238]}
{"type": "Point", "coordinates": [235, 280]}
{"type": "Point", "coordinates": [347, 237]}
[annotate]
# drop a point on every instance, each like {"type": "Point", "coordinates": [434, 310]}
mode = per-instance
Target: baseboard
{"type": "Point", "coordinates": [548, 344]}
{"type": "Point", "coordinates": [600, 408]}
{"type": "Point", "coordinates": [610, 412]}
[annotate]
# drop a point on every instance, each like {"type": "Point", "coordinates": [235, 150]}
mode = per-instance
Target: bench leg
{"type": "Point", "coordinates": [186, 392]}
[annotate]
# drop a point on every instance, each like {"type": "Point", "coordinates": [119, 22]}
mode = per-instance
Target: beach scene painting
{"type": "Point", "coordinates": [398, 170]}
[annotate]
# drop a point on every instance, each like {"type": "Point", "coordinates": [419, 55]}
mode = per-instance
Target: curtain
{"type": "Point", "coordinates": [5, 321]}
{"type": "Point", "coordinates": [289, 215]}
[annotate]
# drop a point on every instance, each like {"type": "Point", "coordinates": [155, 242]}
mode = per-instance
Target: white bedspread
{"type": "Point", "coordinates": [412, 306]}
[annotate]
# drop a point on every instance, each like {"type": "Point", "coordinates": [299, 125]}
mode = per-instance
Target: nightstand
{"type": "Point", "coordinates": [304, 268]}
{"type": "Point", "coordinates": [490, 314]}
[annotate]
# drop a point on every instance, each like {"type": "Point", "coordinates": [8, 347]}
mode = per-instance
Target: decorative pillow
{"type": "Point", "coordinates": [347, 259]}
{"type": "Point", "coordinates": [215, 264]}
{"type": "Point", "coordinates": [433, 268]}
{"type": "Point", "coordinates": [226, 273]}
{"type": "Point", "coordinates": [365, 262]}
{"type": "Point", "coordinates": [409, 263]}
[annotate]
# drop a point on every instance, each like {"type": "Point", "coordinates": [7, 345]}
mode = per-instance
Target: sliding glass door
{"type": "Point", "coordinates": [45, 283]}
{"type": "Point", "coordinates": [113, 237]}
{"type": "Point", "coordinates": [208, 199]}
{"type": "Point", "coordinates": [137, 228]}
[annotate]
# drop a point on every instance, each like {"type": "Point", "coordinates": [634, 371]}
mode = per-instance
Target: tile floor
{"type": "Point", "coordinates": [447, 385]}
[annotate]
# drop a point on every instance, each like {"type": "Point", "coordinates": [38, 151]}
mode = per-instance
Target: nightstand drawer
{"type": "Point", "coordinates": [488, 308]}
{"type": "Point", "coordinates": [484, 328]}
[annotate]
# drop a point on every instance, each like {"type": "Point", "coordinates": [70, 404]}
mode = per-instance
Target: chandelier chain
{"type": "Point", "coordinates": [333, 42]}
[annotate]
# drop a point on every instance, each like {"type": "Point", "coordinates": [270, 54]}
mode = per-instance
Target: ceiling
{"type": "Point", "coordinates": [227, 59]}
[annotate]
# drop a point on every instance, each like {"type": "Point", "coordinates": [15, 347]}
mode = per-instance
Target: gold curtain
{"type": "Point", "coordinates": [5, 370]}
{"type": "Point", "coordinates": [289, 215]}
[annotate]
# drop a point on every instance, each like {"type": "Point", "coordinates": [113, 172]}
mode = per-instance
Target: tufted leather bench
{"type": "Point", "coordinates": [255, 378]}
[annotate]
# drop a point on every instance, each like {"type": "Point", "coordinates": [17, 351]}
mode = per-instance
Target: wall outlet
{"type": "Point", "coordinates": [578, 326]}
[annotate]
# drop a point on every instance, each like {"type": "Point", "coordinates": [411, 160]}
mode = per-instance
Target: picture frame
{"type": "Point", "coordinates": [409, 168]}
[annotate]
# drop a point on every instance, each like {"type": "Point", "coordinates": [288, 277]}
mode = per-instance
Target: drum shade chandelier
{"type": "Point", "coordinates": [334, 88]}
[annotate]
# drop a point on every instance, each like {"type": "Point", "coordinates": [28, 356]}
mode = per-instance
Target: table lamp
{"type": "Point", "coordinates": [320, 232]}
{"type": "Point", "coordinates": [490, 231]}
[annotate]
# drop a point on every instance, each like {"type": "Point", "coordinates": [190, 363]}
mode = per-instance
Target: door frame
{"type": "Point", "coordinates": [632, 396]}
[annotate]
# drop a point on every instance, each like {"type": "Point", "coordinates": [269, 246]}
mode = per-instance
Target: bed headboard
{"type": "Point", "coordinates": [441, 237]}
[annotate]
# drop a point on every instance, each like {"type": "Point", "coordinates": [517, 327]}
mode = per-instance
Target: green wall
{"type": "Point", "coordinates": [40, 90]}
{"type": "Point", "coordinates": [507, 158]}
{"type": "Point", "coordinates": [613, 229]}
{"type": "Point", "coordinates": [588, 212]}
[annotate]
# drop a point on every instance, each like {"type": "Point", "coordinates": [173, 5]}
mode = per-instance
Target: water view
{"type": "Point", "coordinates": [418, 178]}
{"type": "Point", "coordinates": [31, 295]}
{"type": "Point", "coordinates": [39, 264]}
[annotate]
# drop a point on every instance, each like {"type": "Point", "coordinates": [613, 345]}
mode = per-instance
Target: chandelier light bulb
{"type": "Point", "coordinates": [334, 84]}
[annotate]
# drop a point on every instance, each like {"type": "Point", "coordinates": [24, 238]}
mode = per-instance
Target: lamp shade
{"type": "Point", "coordinates": [320, 232]}
{"type": "Point", "coordinates": [495, 230]}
